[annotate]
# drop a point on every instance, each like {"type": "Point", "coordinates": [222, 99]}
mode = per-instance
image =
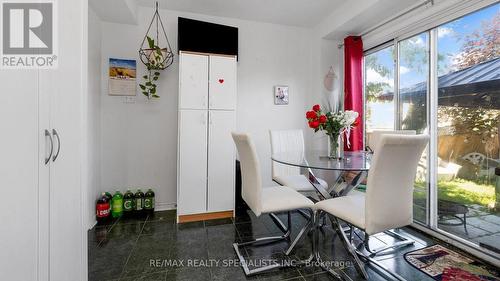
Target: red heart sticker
{"type": "Point", "coordinates": [221, 81]}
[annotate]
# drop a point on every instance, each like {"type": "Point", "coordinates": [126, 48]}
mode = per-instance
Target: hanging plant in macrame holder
{"type": "Point", "coordinates": [154, 57]}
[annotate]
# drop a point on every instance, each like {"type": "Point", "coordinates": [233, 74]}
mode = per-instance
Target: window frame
{"type": "Point", "coordinates": [431, 224]}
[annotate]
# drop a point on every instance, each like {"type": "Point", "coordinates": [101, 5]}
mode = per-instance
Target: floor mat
{"type": "Point", "coordinates": [443, 264]}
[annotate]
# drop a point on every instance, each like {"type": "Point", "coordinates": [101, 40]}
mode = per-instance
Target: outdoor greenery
{"type": "Point", "coordinates": [478, 46]}
{"type": "Point", "coordinates": [479, 121]}
{"type": "Point", "coordinates": [461, 191]}
{"type": "Point", "coordinates": [481, 45]}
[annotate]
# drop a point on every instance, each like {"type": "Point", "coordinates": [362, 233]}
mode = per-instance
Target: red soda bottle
{"type": "Point", "coordinates": [102, 209]}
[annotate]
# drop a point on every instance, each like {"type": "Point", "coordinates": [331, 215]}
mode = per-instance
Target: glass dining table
{"type": "Point", "coordinates": [356, 164]}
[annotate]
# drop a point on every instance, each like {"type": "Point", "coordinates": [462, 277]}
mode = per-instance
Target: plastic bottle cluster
{"type": "Point", "coordinates": [127, 204]}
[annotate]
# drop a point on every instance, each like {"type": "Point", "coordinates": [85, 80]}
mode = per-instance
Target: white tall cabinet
{"type": "Point", "coordinates": [206, 155]}
{"type": "Point", "coordinates": [42, 236]}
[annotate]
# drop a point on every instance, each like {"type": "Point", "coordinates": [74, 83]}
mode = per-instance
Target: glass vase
{"type": "Point", "coordinates": [335, 150]}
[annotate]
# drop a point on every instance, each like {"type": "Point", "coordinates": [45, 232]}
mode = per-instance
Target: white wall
{"type": "Point", "coordinates": [93, 112]}
{"type": "Point", "coordinates": [139, 140]}
{"type": "Point", "coordinates": [326, 54]}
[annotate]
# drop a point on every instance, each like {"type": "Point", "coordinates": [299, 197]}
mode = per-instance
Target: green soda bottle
{"type": "Point", "coordinates": [139, 202]}
{"type": "Point", "coordinates": [149, 201]}
{"type": "Point", "coordinates": [117, 205]}
{"type": "Point", "coordinates": [128, 203]}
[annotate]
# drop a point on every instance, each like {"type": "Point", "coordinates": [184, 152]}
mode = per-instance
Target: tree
{"type": "Point", "coordinates": [466, 121]}
{"type": "Point", "coordinates": [481, 45]}
{"type": "Point", "coordinates": [374, 89]}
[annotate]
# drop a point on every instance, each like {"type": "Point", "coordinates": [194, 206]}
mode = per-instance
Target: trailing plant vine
{"type": "Point", "coordinates": [153, 66]}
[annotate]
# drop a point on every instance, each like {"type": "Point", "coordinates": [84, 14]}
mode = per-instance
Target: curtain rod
{"type": "Point", "coordinates": [393, 19]}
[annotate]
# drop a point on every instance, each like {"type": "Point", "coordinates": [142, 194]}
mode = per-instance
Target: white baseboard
{"type": "Point", "coordinates": [165, 206]}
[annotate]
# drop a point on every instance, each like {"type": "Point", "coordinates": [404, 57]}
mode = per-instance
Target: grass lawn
{"type": "Point", "coordinates": [461, 191]}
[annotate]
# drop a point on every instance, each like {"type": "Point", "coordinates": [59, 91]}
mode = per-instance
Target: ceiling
{"type": "Point", "coordinates": [370, 16]}
{"type": "Point", "coordinates": [303, 13]}
{"type": "Point", "coordinates": [117, 11]}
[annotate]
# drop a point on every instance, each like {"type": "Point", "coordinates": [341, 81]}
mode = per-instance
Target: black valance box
{"type": "Point", "coordinates": [206, 37]}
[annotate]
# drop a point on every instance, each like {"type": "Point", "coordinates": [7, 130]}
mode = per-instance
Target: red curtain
{"type": "Point", "coordinates": [353, 88]}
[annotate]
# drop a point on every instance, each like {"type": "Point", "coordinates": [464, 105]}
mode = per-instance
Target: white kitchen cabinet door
{"type": "Point", "coordinates": [43, 237]}
{"type": "Point", "coordinates": [20, 239]}
{"type": "Point", "coordinates": [221, 158]}
{"type": "Point", "coordinates": [193, 81]}
{"type": "Point", "coordinates": [192, 185]}
{"type": "Point", "coordinates": [223, 84]}
{"type": "Point", "coordinates": [66, 86]}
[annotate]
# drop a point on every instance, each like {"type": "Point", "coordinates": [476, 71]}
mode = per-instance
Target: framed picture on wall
{"type": "Point", "coordinates": [281, 95]}
{"type": "Point", "coordinates": [122, 77]}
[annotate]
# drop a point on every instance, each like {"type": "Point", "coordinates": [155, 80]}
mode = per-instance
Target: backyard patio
{"type": "Point", "coordinates": [466, 208]}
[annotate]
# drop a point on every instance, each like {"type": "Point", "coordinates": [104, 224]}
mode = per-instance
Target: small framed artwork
{"type": "Point", "coordinates": [122, 77]}
{"type": "Point", "coordinates": [281, 95]}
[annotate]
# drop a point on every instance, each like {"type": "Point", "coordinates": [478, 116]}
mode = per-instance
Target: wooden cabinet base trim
{"type": "Point", "coordinates": [205, 216]}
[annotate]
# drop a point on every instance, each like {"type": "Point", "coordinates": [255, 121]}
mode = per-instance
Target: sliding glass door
{"type": "Point", "coordinates": [468, 113]}
{"type": "Point", "coordinates": [406, 111]}
{"type": "Point", "coordinates": [379, 90]}
{"type": "Point", "coordinates": [465, 105]}
{"type": "Point", "coordinates": [413, 66]}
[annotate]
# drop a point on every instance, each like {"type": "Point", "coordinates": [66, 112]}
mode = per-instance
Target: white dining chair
{"type": "Point", "coordinates": [372, 142]}
{"type": "Point", "coordinates": [283, 141]}
{"type": "Point", "coordinates": [374, 136]}
{"type": "Point", "coordinates": [388, 202]}
{"type": "Point", "coordinates": [265, 200]}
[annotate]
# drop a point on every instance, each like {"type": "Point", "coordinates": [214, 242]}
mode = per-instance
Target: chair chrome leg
{"type": "Point", "coordinates": [317, 256]}
{"type": "Point", "coordinates": [244, 264]}
{"type": "Point", "coordinates": [351, 230]}
{"type": "Point", "coordinates": [278, 222]}
{"type": "Point", "coordinates": [366, 243]}
{"type": "Point", "coordinates": [402, 243]}
{"type": "Point", "coordinates": [260, 241]}
{"type": "Point", "coordinates": [272, 239]}
{"type": "Point", "coordinates": [305, 229]}
{"type": "Point", "coordinates": [380, 266]}
{"type": "Point", "coordinates": [304, 214]}
{"type": "Point", "coordinates": [348, 246]}
{"type": "Point", "coordinates": [332, 272]}
{"type": "Point", "coordinates": [357, 254]}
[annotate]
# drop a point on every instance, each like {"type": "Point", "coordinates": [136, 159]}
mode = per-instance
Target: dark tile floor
{"type": "Point", "coordinates": [142, 248]}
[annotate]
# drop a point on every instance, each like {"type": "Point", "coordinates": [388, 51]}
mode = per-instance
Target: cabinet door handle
{"type": "Point", "coordinates": [54, 132]}
{"type": "Point", "coordinates": [47, 134]}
